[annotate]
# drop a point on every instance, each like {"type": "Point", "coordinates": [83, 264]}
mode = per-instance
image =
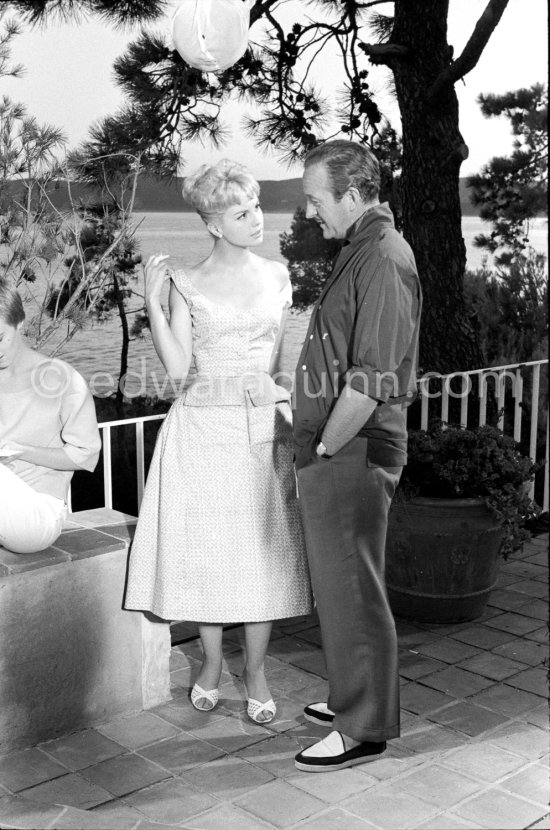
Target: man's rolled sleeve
{"type": "Point", "coordinates": [385, 324]}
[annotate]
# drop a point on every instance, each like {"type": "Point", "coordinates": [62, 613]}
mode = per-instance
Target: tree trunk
{"type": "Point", "coordinates": [119, 397]}
{"type": "Point", "coordinates": [433, 151]}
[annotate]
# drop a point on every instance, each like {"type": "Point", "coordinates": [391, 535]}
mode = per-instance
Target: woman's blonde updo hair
{"type": "Point", "coordinates": [214, 188]}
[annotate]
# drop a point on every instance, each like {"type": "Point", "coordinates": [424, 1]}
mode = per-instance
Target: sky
{"type": "Point", "coordinates": [68, 80]}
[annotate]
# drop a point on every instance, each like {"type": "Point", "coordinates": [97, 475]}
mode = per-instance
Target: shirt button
{"type": "Point", "coordinates": [304, 367]}
{"type": "Point", "coordinates": [311, 337]}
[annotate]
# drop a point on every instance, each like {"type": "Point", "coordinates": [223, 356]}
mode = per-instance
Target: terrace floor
{"type": "Point", "coordinates": [473, 752]}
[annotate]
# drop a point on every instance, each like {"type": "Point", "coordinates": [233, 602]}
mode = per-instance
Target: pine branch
{"type": "Point", "coordinates": [118, 12]}
{"type": "Point", "coordinates": [384, 53]}
{"type": "Point", "coordinates": [473, 50]}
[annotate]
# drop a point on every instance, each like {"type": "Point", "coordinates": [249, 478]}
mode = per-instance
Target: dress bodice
{"type": "Point", "coordinates": [229, 342]}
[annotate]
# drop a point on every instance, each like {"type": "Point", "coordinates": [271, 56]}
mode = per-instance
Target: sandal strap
{"type": "Point", "coordinates": [255, 708]}
{"type": "Point", "coordinates": [197, 692]}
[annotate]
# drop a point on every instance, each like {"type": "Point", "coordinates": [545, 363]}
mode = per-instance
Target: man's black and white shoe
{"type": "Point", "coordinates": [319, 713]}
{"type": "Point", "coordinates": [331, 754]}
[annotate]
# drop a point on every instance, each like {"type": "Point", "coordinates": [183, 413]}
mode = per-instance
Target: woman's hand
{"type": "Point", "coordinates": [10, 451]}
{"type": "Point", "coordinates": [156, 274]}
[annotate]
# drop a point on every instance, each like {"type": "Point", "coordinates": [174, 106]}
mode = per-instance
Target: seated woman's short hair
{"type": "Point", "coordinates": [214, 188]}
{"type": "Point", "coordinates": [11, 304]}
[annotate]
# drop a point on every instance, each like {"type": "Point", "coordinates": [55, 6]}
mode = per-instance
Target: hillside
{"type": "Point", "coordinates": [156, 195]}
{"type": "Point", "coordinates": [276, 196]}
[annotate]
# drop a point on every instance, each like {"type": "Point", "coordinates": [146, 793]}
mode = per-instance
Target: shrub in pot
{"type": "Point", "coordinates": [461, 505]}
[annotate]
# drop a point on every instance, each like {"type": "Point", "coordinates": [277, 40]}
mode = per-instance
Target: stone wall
{"type": "Point", "coordinates": [70, 655]}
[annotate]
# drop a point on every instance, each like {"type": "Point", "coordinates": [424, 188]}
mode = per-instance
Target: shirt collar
{"type": "Point", "coordinates": [372, 214]}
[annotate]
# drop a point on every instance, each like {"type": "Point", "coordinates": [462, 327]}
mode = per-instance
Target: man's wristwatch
{"type": "Point", "coordinates": [321, 451]}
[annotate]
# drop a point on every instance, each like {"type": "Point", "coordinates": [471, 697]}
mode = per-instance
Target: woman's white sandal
{"type": "Point", "coordinates": [256, 708]}
{"type": "Point", "coordinates": [212, 697]}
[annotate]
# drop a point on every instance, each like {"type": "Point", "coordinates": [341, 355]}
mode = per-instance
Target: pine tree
{"type": "Point", "coordinates": [512, 190]}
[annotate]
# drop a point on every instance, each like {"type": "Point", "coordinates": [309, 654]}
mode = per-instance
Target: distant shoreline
{"type": "Point", "coordinates": [154, 195]}
{"type": "Point", "coordinates": [186, 209]}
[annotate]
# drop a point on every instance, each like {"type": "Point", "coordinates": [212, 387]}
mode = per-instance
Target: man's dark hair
{"type": "Point", "coordinates": [348, 165]}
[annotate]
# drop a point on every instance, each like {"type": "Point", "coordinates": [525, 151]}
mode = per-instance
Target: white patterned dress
{"type": "Point", "coordinates": [219, 537]}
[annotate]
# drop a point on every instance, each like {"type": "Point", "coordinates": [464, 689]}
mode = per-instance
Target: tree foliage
{"type": "Point", "coordinates": [119, 11]}
{"type": "Point", "coordinates": [274, 74]}
{"type": "Point", "coordinates": [309, 257]}
{"type": "Point", "coordinates": [511, 190]}
{"type": "Point", "coordinates": [32, 236]}
{"type": "Point", "coordinates": [69, 266]}
{"type": "Point", "coordinates": [10, 28]}
{"type": "Point", "coordinates": [109, 287]}
{"type": "Point", "coordinates": [509, 307]}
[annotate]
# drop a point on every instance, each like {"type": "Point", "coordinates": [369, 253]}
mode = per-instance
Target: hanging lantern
{"type": "Point", "coordinates": [211, 35]}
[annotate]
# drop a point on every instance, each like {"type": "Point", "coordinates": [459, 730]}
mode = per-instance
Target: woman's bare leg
{"type": "Point", "coordinates": [257, 640]}
{"type": "Point", "coordinates": [211, 669]}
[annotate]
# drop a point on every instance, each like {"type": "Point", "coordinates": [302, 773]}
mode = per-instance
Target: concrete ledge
{"type": "Point", "coordinates": [70, 655]}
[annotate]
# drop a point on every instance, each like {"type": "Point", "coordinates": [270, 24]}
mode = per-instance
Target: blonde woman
{"type": "Point", "coordinates": [219, 538]}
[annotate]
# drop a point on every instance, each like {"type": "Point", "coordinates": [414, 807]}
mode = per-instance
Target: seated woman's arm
{"type": "Point", "coordinates": [52, 457]}
{"type": "Point", "coordinates": [79, 431]}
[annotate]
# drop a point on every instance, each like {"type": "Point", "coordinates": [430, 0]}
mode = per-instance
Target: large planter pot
{"type": "Point", "coordinates": [442, 558]}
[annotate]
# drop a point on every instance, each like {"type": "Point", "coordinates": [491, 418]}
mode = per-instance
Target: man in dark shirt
{"type": "Point", "coordinates": [355, 377]}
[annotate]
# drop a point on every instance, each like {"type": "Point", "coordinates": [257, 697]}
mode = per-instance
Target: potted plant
{"type": "Point", "coordinates": [462, 503]}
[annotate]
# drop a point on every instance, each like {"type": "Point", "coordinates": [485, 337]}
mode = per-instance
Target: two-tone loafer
{"type": "Point", "coordinates": [331, 754]}
{"type": "Point", "coordinates": [319, 713]}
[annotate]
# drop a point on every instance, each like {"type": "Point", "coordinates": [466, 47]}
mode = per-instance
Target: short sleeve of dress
{"type": "Point", "coordinates": [286, 295]}
{"type": "Point", "coordinates": [183, 285]}
{"type": "Point", "coordinates": [79, 430]}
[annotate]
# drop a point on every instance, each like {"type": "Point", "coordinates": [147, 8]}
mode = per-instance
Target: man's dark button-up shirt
{"type": "Point", "coordinates": [363, 333]}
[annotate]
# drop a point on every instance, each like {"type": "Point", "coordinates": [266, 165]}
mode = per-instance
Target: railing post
{"type": "Point", "coordinates": [545, 494]}
{"type": "Point", "coordinates": [444, 401]}
{"type": "Point", "coordinates": [464, 395]}
{"type": "Point", "coordinates": [518, 400]}
{"type": "Point", "coordinates": [140, 461]}
{"type": "Point", "coordinates": [483, 392]}
{"type": "Point", "coordinates": [424, 402]}
{"type": "Point", "coordinates": [535, 394]}
{"type": "Point", "coordinates": [501, 394]}
{"type": "Point", "coordinates": [107, 468]}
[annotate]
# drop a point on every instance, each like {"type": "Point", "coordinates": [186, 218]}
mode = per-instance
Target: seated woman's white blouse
{"type": "Point", "coordinates": [55, 410]}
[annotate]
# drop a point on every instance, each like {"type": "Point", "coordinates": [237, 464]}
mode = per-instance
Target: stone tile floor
{"type": "Point", "coordinates": [473, 752]}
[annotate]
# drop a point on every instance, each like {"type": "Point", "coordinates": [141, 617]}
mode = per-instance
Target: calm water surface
{"type": "Point", "coordinates": [95, 351]}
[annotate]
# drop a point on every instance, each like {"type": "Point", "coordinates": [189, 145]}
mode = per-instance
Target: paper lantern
{"type": "Point", "coordinates": [211, 35]}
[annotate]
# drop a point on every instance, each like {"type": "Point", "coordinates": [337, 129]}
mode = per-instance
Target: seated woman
{"type": "Point", "coordinates": [48, 429]}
